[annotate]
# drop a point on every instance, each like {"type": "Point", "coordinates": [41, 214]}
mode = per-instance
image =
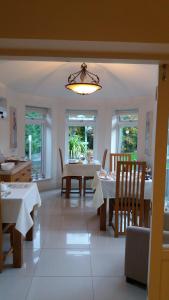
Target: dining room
{"type": "Point", "coordinates": [91, 174]}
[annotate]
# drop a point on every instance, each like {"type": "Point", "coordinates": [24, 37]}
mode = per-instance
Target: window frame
{"type": "Point", "coordinates": [120, 124]}
{"type": "Point", "coordinates": [81, 123]}
{"type": "Point", "coordinates": [44, 123]}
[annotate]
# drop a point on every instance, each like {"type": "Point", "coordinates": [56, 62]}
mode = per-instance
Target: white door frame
{"type": "Point", "coordinates": [159, 257]}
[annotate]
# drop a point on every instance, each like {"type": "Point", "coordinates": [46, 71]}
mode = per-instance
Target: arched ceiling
{"type": "Point", "coordinates": [48, 79]}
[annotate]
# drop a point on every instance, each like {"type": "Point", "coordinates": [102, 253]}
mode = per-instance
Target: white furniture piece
{"type": "Point", "coordinates": [105, 188]}
{"type": "Point", "coordinates": [18, 203]}
{"type": "Point", "coordinates": [82, 168]}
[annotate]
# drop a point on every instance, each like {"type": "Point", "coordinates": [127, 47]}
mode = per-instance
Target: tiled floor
{"type": "Point", "coordinates": [69, 259]}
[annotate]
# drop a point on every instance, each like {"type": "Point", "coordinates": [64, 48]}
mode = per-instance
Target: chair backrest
{"type": "Point", "coordinates": [104, 158]}
{"type": "Point", "coordinates": [129, 200]}
{"type": "Point", "coordinates": [61, 159]}
{"type": "Point", "coordinates": [115, 157]}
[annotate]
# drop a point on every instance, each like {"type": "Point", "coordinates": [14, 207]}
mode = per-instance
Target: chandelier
{"type": "Point", "coordinates": [83, 82]}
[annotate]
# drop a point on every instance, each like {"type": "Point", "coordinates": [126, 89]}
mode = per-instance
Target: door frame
{"type": "Point", "coordinates": [158, 255]}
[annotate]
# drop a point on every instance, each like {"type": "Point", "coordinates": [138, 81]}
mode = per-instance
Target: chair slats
{"type": "Point", "coordinates": [115, 157]}
{"type": "Point", "coordinates": [129, 201]}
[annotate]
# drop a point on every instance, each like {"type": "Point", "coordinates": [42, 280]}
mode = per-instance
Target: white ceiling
{"type": "Point", "coordinates": [48, 79]}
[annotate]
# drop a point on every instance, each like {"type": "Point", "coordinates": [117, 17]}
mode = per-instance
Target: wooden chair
{"type": "Point", "coordinates": [86, 178]}
{"type": "Point", "coordinates": [128, 206]}
{"type": "Point", "coordinates": [115, 157]}
{"type": "Point", "coordinates": [5, 228]}
{"type": "Point", "coordinates": [64, 178]}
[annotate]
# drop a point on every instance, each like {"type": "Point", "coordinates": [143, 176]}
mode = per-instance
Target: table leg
{"type": "Point", "coordinates": [29, 235]}
{"type": "Point", "coordinates": [17, 249]}
{"type": "Point", "coordinates": [103, 209]}
{"type": "Point", "coordinates": [98, 211]}
{"type": "Point", "coordinates": [68, 186]}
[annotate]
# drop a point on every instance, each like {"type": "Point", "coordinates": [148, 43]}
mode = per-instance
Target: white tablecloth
{"type": "Point", "coordinates": [17, 206]}
{"type": "Point", "coordinates": [81, 169]}
{"type": "Point", "coordinates": [106, 188]}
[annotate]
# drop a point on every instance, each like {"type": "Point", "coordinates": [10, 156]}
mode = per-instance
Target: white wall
{"type": "Point", "coordinates": [58, 107]}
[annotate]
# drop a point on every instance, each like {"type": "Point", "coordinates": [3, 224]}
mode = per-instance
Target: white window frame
{"type": "Point", "coordinates": [44, 124]}
{"type": "Point", "coordinates": [81, 123]}
{"type": "Point", "coordinates": [121, 124]}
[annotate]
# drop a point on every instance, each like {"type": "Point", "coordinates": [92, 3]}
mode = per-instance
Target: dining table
{"type": "Point", "coordinates": [105, 189]}
{"type": "Point", "coordinates": [18, 203]}
{"type": "Point", "coordinates": [79, 168]}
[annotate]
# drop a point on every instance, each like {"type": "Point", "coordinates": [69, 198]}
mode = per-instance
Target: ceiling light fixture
{"type": "Point", "coordinates": [83, 82]}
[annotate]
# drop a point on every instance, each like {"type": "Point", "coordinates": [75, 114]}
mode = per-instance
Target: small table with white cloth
{"type": "Point", "coordinates": [18, 204]}
{"type": "Point", "coordinates": [105, 188]}
{"type": "Point", "coordinates": [82, 168]}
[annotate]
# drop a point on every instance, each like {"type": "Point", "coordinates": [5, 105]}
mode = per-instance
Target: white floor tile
{"type": "Point", "coordinates": [69, 257]}
{"type": "Point", "coordinates": [106, 241]}
{"type": "Point", "coordinates": [116, 289]}
{"type": "Point", "coordinates": [61, 288]}
{"type": "Point", "coordinates": [14, 288]}
{"type": "Point", "coordinates": [30, 260]}
{"type": "Point", "coordinates": [64, 262]}
{"type": "Point", "coordinates": [107, 263]}
{"type": "Point", "coordinates": [67, 239]}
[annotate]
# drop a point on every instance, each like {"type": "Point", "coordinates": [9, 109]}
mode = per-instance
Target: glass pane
{"type": "Point", "coordinates": [128, 141]}
{"type": "Point", "coordinates": [81, 141]}
{"type": "Point", "coordinates": [33, 148]}
{"type": "Point", "coordinates": [35, 115]}
{"type": "Point", "coordinates": [81, 117]}
{"type": "Point", "coordinates": [128, 118]}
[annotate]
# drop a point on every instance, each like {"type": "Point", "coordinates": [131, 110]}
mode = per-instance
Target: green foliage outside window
{"type": "Point", "coordinates": [129, 141]}
{"type": "Point", "coordinates": [80, 140]}
{"type": "Point", "coordinates": [36, 132]}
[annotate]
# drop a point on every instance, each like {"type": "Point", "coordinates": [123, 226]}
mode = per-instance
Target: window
{"type": "Point", "coordinates": [127, 132]}
{"type": "Point", "coordinates": [80, 133]}
{"type": "Point", "coordinates": [36, 126]}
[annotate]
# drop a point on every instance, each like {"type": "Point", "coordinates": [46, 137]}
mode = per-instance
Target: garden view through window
{"type": "Point", "coordinates": [128, 133]}
{"type": "Point", "coordinates": [35, 127]}
{"type": "Point", "coordinates": [81, 131]}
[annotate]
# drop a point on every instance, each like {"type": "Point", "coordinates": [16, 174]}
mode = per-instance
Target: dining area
{"type": "Point", "coordinates": [122, 192]}
{"type": "Point", "coordinates": [80, 209]}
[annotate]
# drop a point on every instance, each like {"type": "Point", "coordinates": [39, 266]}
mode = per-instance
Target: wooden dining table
{"type": "Point", "coordinates": [105, 189]}
{"type": "Point", "coordinates": [18, 204]}
{"type": "Point", "coordinates": [79, 168]}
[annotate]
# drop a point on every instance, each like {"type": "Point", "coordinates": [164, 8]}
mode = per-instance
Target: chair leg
{"type": "Point", "coordinates": [68, 186]}
{"type": "Point", "coordinates": [1, 251]}
{"type": "Point", "coordinates": [84, 186]}
{"type": "Point", "coordinates": [116, 226]}
{"type": "Point", "coordinates": [80, 186]}
{"type": "Point", "coordinates": [110, 211]}
{"type": "Point", "coordinates": [62, 187]}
